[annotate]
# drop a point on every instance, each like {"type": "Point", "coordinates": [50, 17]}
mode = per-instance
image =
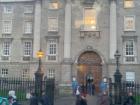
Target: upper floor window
{"type": "Point", "coordinates": [90, 19]}
{"type": "Point", "coordinates": [8, 9]}
{"type": "Point", "coordinates": [28, 9]}
{"type": "Point", "coordinates": [128, 3]}
{"type": "Point", "coordinates": [7, 26]}
{"type": "Point", "coordinates": [27, 27]}
{"type": "Point", "coordinates": [129, 51]}
{"type": "Point", "coordinates": [27, 48]}
{"type": "Point", "coordinates": [129, 23]}
{"type": "Point", "coordinates": [52, 50]}
{"type": "Point", "coordinates": [6, 48]}
{"type": "Point", "coordinates": [53, 5]}
{"type": "Point", "coordinates": [52, 24]}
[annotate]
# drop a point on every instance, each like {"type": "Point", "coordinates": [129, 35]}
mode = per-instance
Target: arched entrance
{"type": "Point", "coordinates": [89, 69]}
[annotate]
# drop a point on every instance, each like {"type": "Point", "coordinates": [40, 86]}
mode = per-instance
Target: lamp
{"type": "Point", "coordinates": [39, 75]}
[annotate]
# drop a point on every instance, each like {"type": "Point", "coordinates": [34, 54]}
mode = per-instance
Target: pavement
{"type": "Point", "coordinates": [70, 100]}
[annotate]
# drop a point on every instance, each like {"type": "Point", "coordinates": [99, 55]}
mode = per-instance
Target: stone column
{"type": "Point", "coordinates": [67, 43]}
{"type": "Point", "coordinates": [113, 28]}
{"type": "Point", "coordinates": [37, 25]}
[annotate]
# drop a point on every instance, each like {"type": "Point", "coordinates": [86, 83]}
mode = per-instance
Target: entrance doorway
{"type": "Point", "coordinates": [89, 69]}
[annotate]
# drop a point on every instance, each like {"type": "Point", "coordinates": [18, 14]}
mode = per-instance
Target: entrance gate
{"type": "Point", "coordinates": [90, 68]}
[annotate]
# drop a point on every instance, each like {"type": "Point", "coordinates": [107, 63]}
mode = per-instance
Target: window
{"type": "Point", "coordinates": [6, 48]}
{"type": "Point", "coordinates": [27, 27]}
{"type": "Point", "coordinates": [52, 50]}
{"type": "Point", "coordinates": [52, 24]}
{"type": "Point", "coordinates": [27, 48]}
{"type": "Point", "coordinates": [129, 51]}
{"type": "Point", "coordinates": [89, 19]}
{"type": "Point", "coordinates": [25, 74]}
{"type": "Point", "coordinates": [129, 23]}
{"type": "Point", "coordinates": [128, 3]}
{"type": "Point", "coordinates": [28, 9]}
{"type": "Point", "coordinates": [8, 9]}
{"type": "Point", "coordinates": [4, 72]}
{"type": "Point", "coordinates": [53, 5]}
{"type": "Point", "coordinates": [7, 26]}
{"type": "Point", "coordinates": [51, 73]}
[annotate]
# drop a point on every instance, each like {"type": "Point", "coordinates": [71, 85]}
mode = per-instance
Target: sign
{"type": "Point", "coordinates": [130, 76]}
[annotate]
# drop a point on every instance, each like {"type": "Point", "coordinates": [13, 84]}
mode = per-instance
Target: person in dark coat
{"type": "Point", "coordinates": [44, 99]}
{"type": "Point", "coordinates": [83, 100]}
{"type": "Point", "coordinates": [78, 99]}
{"type": "Point", "coordinates": [129, 100]}
{"type": "Point", "coordinates": [33, 99]}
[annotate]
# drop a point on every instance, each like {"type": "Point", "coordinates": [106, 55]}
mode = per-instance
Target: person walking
{"type": "Point", "coordinates": [83, 100]}
{"type": "Point", "coordinates": [33, 99]}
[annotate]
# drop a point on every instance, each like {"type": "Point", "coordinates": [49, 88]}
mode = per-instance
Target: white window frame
{"type": "Point", "coordinates": [134, 52]}
{"type": "Point", "coordinates": [125, 23]}
{"type": "Point", "coordinates": [27, 49]}
{"type": "Point", "coordinates": [51, 73]}
{"type": "Point", "coordinates": [52, 7]}
{"type": "Point", "coordinates": [7, 28]}
{"type": "Point", "coordinates": [49, 55]}
{"type": "Point", "coordinates": [84, 26]}
{"type": "Point", "coordinates": [28, 9]}
{"type": "Point", "coordinates": [28, 27]}
{"type": "Point", "coordinates": [6, 49]}
{"type": "Point", "coordinates": [125, 6]}
{"type": "Point", "coordinates": [4, 72]}
{"type": "Point", "coordinates": [55, 27]}
{"type": "Point", "coordinates": [6, 9]}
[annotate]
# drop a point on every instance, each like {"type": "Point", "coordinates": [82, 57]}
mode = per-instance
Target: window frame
{"type": "Point", "coordinates": [134, 52]}
{"type": "Point", "coordinates": [51, 73]}
{"type": "Point", "coordinates": [4, 29]}
{"type": "Point", "coordinates": [92, 29]}
{"type": "Point", "coordinates": [125, 21]}
{"type": "Point", "coordinates": [26, 27]}
{"type": "Point", "coordinates": [27, 9]}
{"type": "Point", "coordinates": [29, 50]}
{"type": "Point", "coordinates": [5, 49]}
{"type": "Point", "coordinates": [6, 10]}
{"type": "Point", "coordinates": [51, 7]}
{"type": "Point", "coordinates": [4, 72]}
{"type": "Point", "coordinates": [48, 50]}
{"type": "Point", "coordinates": [127, 7]}
{"type": "Point", "coordinates": [54, 29]}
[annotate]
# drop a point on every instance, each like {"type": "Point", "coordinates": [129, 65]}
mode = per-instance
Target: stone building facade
{"type": "Point", "coordinates": [78, 37]}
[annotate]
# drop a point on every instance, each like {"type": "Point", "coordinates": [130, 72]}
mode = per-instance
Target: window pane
{"type": "Point", "coordinates": [27, 48]}
{"type": "Point", "coordinates": [6, 48]}
{"type": "Point", "coordinates": [53, 5]}
{"type": "Point", "coordinates": [28, 9]}
{"type": "Point", "coordinates": [90, 18]}
{"type": "Point", "coordinates": [7, 26]}
{"type": "Point", "coordinates": [128, 3]}
{"type": "Point", "coordinates": [129, 23]}
{"type": "Point", "coordinates": [8, 9]}
{"type": "Point", "coordinates": [28, 27]}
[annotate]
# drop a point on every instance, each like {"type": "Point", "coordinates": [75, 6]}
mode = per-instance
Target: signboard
{"type": "Point", "coordinates": [130, 76]}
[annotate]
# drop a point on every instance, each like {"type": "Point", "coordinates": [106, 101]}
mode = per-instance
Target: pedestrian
{"type": "Point", "coordinates": [83, 100]}
{"type": "Point", "coordinates": [74, 85]}
{"type": "Point", "coordinates": [103, 98]}
{"type": "Point", "coordinates": [78, 99]}
{"type": "Point", "coordinates": [44, 99]}
{"type": "Point", "coordinates": [130, 100]}
{"type": "Point", "coordinates": [93, 89]}
{"type": "Point", "coordinates": [33, 99]}
{"type": "Point", "coordinates": [10, 100]}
